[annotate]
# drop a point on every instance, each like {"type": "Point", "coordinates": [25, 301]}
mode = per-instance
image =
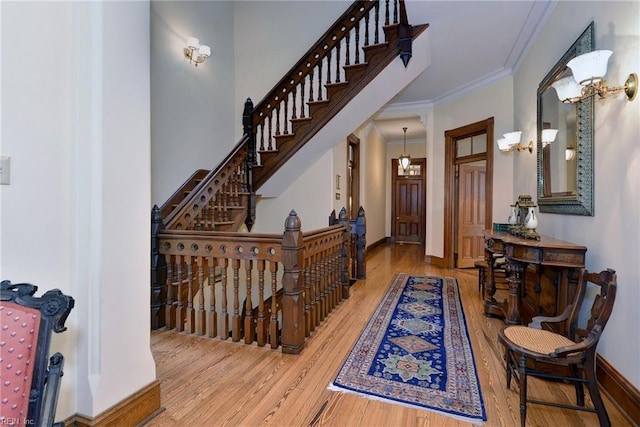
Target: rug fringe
{"type": "Point", "coordinates": [475, 421]}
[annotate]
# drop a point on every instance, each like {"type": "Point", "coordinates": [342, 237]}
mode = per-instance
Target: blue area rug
{"type": "Point", "coordinates": [415, 351]}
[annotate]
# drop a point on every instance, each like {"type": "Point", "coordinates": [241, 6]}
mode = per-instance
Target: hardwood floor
{"type": "Point", "coordinates": [208, 382]}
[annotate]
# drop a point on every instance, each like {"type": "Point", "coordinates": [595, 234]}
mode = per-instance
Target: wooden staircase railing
{"type": "Point", "coordinates": [304, 101]}
{"type": "Point", "coordinates": [183, 192]}
{"type": "Point", "coordinates": [219, 201]}
{"type": "Point", "coordinates": [326, 78]}
{"type": "Point", "coordinates": [270, 289]}
{"type": "Point", "coordinates": [357, 239]}
{"type": "Point", "coordinates": [198, 256]}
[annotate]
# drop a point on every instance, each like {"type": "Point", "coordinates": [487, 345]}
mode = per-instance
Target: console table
{"type": "Point", "coordinates": [542, 275]}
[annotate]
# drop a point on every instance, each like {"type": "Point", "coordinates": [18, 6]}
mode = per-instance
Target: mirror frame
{"type": "Point", "coordinates": [581, 203]}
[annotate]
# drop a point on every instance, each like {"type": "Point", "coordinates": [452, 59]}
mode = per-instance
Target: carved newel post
{"type": "Point", "coordinates": [344, 254]}
{"type": "Point", "coordinates": [361, 232]}
{"type": "Point", "coordinates": [158, 272]}
{"type": "Point", "coordinates": [247, 127]}
{"type": "Point", "coordinates": [293, 297]}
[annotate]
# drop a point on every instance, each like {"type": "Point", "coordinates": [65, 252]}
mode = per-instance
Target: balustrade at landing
{"type": "Point", "coordinates": [265, 289]}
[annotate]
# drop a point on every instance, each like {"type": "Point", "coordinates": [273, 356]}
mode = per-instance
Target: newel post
{"type": "Point", "coordinates": [345, 251]}
{"type": "Point", "coordinates": [247, 126]}
{"type": "Point", "coordinates": [293, 297]}
{"type": "Point", "coordinates": [405, 36]}
{"type": "Point", "coordinates": [361, 252]}
{"type": "Point", "coordinates": [158, 272]}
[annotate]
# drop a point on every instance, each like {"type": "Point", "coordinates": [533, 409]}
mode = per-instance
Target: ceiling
{"type": "Point", "coordinates": [473, 43]}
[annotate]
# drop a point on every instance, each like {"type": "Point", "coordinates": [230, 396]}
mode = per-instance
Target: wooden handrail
{"type": "Point", "coordinates": [179, 195]}
{"type": "Point", "coordinates": [333, 36]}
{"type": "Point", "coordinates": [190, 207]}
{"type": "Point", "coordinates": [223, 268]}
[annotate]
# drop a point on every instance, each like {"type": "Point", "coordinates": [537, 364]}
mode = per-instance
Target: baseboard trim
{"type": "Point", "coordinates": [619, 390]}
{"type": "Point", "coordinates": [132, 411]}
{"type": "Point", "coordinates": [435, 261]}
{"type": "Point", "coordinates": [376, 244]}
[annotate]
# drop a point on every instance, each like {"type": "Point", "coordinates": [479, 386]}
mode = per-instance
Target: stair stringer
{"type": "Point", "coordinates": [386, 85]}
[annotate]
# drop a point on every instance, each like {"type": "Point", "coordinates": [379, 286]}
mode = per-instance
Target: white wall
{"type": "Point", "coordinates": [612, 235]}
{"type": "Point", "coordinates": [373, 150]}
{"type": "Point", "coordinates": [76, 216]}
{"type": "Point", "coordinates": [312, 206]}
{"type": "Point", "coordinates": [495, 101]}
{"type": "Point", "coordinates": [340, 200]}
{"type": "Point", "coordinates": [194, 108]}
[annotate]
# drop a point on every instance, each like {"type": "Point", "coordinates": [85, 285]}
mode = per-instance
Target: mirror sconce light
{"type": "Point", "coordinates": [511, 141]}
{"type": "Point", "coordinates": [588, 80]}
{"type": "Point", "coordinates": [195, 52]}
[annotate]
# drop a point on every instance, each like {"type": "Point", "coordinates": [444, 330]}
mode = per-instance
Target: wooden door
{"type": "Point", "coordinates": [408, 202]}
{"type": "Point", "coordinates": [465, 145]}
{"type": "Point", "coordinates": [471, 214]}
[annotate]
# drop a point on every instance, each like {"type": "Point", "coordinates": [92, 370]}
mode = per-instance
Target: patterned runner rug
{"type": "Point", "coordinates": [415, 351]}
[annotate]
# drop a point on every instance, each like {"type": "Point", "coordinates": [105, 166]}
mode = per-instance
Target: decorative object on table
{"type": "Point", "coordinates": [524, 206]}
{"type": "Point", "coordinates": [513, 216]}
{"type": "Point", "coordinates": [501, 226]}
{"type": "Point", "coordinates": [531, 222]}
{"type": "Point", "coordinates": [415, 351]}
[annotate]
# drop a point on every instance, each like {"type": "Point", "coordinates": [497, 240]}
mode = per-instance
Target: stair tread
{"type": "Point", "coordinates": [301, 119]}
{"type": "Point", "coordinates": [345, 83]}
{"type": "Point", "coordinates": [284, 135]}
{"type": "Point", "coordinates": [319, 101]}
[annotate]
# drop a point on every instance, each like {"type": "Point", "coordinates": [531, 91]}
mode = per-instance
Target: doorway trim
{"type": "Point", "coordinates": [394, 178]}
{"type": "Point", "coordinates": [353, 176]}
{"type": "Point", "coordinates": [450, 138]}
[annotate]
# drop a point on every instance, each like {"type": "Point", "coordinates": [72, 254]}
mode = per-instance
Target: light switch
{"type": "Point", "coordinates": [5, 168]}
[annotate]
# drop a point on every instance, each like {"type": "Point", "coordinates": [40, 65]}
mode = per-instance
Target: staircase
{"type": "Point", "coordinates": [355, 50]}
{"type": "Point", "coordinates": [342, 80]}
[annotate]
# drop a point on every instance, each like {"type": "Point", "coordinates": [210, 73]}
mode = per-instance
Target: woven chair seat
{"type": "Point", "coordinates": [536, 340]}
{"type": "Point", "coordinates": [525, 346]}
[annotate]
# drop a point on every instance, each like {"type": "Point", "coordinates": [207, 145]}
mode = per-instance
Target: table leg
{"type": "Point", "coordinates": [492, 307]}
{"type": "Point", "coordinates": [515, 283]}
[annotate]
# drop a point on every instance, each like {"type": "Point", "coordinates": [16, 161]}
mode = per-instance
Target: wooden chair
{"type": "Point", "coordinates": [30, 378]}
{"type": "Point", "coordinates": [499, 273]}
{"type": "Point", "coordinates": [577, 350]}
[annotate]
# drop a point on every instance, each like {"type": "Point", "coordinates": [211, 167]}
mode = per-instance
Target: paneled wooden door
{"type": "Point", "coordinates": [408, 209]}
{"type": "Point", "coordinates": [471, 145]}
{"type": "Point", "coordinates": [471, 214]}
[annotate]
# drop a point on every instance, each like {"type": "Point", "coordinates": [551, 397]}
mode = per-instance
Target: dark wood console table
{"type": "Point", "coordinates": [542, 275]}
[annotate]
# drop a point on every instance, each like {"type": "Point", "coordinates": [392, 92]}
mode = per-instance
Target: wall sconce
{"type": "Point", "coordinates": [548, 136]}
{"type": "Point", "coordinates": [569, 153]}
{"type": "Point", "coordinates": [511, 141]}
{"type": "Point", "coordinates": [405, 159]}
{"type": "Point", "coordinates": [195, 52]}
{"type": "Point", "coordinates": [588, 71]}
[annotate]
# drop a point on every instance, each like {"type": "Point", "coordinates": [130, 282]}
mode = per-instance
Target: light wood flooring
{"type": "Point", "coordinates": [207, 382]}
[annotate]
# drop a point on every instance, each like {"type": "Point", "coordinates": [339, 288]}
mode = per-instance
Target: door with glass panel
{"type": "Point", "coordinates": [408, 202]}
{"type": "Point", "coordinates": [468, 173]}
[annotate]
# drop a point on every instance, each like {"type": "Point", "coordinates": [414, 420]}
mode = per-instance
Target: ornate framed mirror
{"type": "Point", "coordinates": [565, 166]}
